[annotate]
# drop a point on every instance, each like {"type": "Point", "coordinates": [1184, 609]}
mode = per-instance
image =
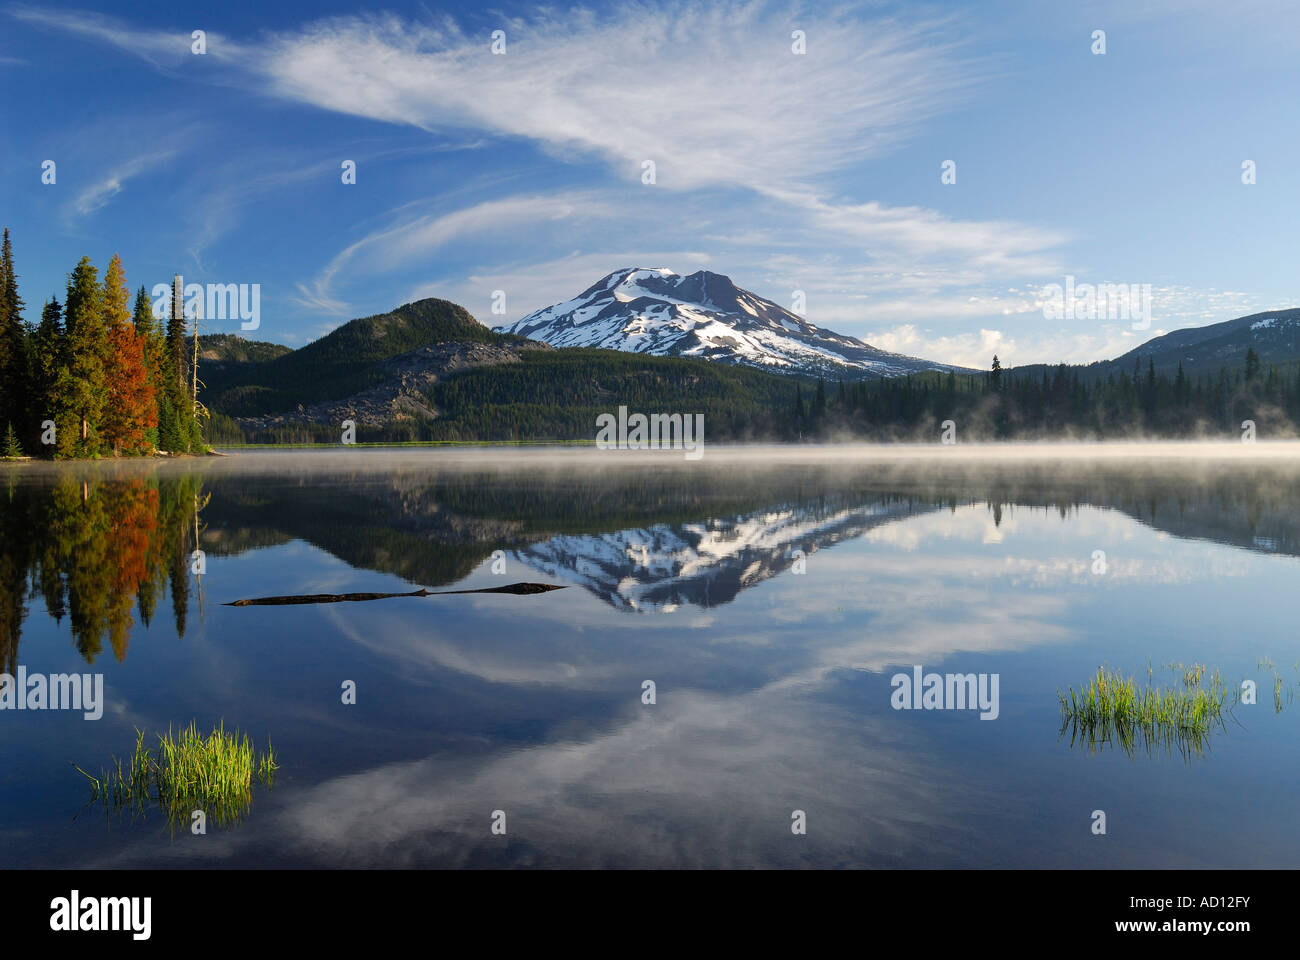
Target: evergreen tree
{"type": "Point", "coordinates": [14, 397]}
{"type": "Point", "coordinates": [1252, 365]}
{"type": "Point", "coordinates": [176, 348]}
{"type": "Point", "coordinates": [12, 448]}
{"type": "Point", "coordinates": [83, 390]}
{"type": "Point", "coordinates": [186, 436]}
{"type": "Point", "coordinates": [130, 409]}
{"type": "Point", "coordinates": [995, 375]}
{"type": "Point", "coordinates": [46, 366]}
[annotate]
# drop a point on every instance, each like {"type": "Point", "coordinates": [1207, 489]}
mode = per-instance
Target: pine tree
{"type": "Point", "coordinates": [995, 375]}
{"type": "Point", "coordinates": [1252, 365]}
{"type": "Point", "coordinates": [12, 448]}
{"type": "Point", "coordinates": [46, 364]}
{"type": "Point", "coordinates": [153, 344]}
{"type": "Point", "coordinates": [169, 428]}
{"type": "Point", "coordinates": [176, 346]}
{"type": "Point", "coordinates": [179, 430]}
{"type": "Point", "coordinates": [13, 336]}
{"type": "Point", "coordinates": [130, 408]}
{"type": "Point", "coordinates": [82, 391]}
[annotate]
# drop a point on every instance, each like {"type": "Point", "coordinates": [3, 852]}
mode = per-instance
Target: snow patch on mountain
{"type": "Point", "coordinates": [1270, 322]}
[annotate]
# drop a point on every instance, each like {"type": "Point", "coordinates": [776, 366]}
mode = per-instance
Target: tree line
{"type": "Point", "coordinates": [97, 375]}
{"type": "Point", "coordinates": [1001, 404]}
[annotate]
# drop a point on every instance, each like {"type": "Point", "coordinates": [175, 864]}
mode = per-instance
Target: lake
{"type": "Point", "coordinates": [764, 600]}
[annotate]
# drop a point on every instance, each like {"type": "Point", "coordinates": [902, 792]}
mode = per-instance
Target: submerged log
{"type": "Point", "coordinates": [522, 589]}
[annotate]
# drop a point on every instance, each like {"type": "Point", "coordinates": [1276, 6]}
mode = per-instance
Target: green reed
{"type": "Point", "coordinates": [1113, 709]}
{"type": "Point", "coordinates": [186, 772]}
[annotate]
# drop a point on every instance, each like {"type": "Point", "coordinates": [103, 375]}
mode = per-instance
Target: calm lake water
{"type": "Point", "coordinates": [770, 596]}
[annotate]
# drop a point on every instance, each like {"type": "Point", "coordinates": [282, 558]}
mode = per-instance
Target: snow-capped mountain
{"type": "Point", "coordinates": [656, 311]}
{"type": "Point", "coordinates": [665, 566]}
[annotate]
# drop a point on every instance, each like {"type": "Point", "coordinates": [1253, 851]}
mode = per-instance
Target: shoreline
{"type": "Point", "coordinates": [489, 453]}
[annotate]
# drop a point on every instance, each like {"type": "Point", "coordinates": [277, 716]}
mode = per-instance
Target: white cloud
{"type": "Point", "coordinates": [162, 48]}
{"type": "Point", "coordinates": [774, 119]}
{"type": "Point", "coordinates": [628, 86]}
{"type": "Point", "coordinates": [989, 247]}
{"type": "Point", "coordinates": [99, 194]}
{"type": "Point", "coordinates": [396, 246]}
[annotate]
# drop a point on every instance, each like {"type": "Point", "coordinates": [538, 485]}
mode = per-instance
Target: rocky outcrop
{"type": "Point", "coordinates": [403, 393]}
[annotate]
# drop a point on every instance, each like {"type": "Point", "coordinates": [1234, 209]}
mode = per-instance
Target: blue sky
{"type": "Point", "coordinates": [522, 172]}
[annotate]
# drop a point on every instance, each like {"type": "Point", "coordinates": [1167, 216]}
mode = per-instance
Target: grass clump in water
{"type": "Point", "coordinates": [1113, 709]}
{"type": "Point", "coordinates": [187, 772]}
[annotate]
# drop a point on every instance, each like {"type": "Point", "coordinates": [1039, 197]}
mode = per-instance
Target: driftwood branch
{"type": "Point", "coordinates": [516, 588]}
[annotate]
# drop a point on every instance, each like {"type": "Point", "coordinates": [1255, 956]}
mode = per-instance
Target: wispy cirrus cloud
{"type": "Point", "coordinates": [162, 48]}
{"type": "Point", "coordinates": [627, 86]}
{"type": "Point", "coordinates": [100, 193]}
{"type": "Point", "coordinates": [399, 244]}
{"type": "Point", "coordinates": [775, 121]}
{"type": "Point", "coordinates": [624, 86]}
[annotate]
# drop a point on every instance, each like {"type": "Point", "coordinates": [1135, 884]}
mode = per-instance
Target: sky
{"type": "Point", "coordinates": [523, 170]}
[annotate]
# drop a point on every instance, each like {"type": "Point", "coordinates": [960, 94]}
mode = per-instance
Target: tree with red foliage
{"type": "Point", "coordinates": [130, 409]}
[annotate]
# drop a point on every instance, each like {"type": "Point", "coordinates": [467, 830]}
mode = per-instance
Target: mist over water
{"type": "Point", "coordinates": [770, 593]}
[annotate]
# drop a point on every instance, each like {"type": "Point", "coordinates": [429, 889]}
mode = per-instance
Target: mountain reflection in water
{"type": "Point", "coordinates": [102, 545]}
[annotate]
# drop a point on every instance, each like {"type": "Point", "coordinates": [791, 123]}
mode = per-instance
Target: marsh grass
{"type": "Point", "coordinates": [1280, 686]}
{"type": "Point", "coordinates": [1113, 710]}
{"type": "Point", "coordinates": [186, 772]}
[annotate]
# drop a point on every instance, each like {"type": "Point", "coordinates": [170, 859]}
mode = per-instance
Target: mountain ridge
{"type": "Point", "coordinates": [1274, 335]}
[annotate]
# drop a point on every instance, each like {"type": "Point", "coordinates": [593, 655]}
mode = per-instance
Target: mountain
{"type": "Point", "coordinates": [705, 315]}
{"type": "Point", "coordinates": [403, 386]}
{"type": "Point", "coordinates": [346, 361]}
{"type": "Point", "coordinates": [230, 348]}
{"type": "Point", "coordinates": [429, 370]}
{"type": "Point", "coordinates": [1274, 335]}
